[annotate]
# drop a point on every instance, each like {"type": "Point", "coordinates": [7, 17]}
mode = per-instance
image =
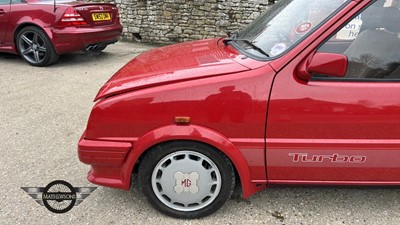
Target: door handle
{"type": "Point", "coordinates": [2, 12]}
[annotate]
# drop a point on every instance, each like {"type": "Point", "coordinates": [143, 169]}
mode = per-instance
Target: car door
{"type": "Point", "coordinates": [4, 15]}
{"type": "Point", "coordinates": [341, 130]}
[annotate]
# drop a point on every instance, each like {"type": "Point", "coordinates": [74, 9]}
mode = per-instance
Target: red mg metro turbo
{"type": "Point", "coordinates": [309, 93]}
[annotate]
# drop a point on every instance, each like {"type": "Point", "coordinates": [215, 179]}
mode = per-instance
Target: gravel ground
{"type": "Point", "coordinates": [43, 113]}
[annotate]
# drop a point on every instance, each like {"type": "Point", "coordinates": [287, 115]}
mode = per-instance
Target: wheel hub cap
{"type": "Point", "coordinates": [186, 181]}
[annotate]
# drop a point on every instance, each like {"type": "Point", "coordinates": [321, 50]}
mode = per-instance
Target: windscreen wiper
{"type": "Point", "coordinates": [227, 40]}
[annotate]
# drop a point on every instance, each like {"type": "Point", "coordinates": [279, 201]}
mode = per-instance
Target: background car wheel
{"type": "Point", "coordinates": [35, 47]}
{"type": "Point", "coordinates": [186, 179]}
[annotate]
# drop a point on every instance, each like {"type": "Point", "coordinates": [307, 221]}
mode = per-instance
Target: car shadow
{"type": "Point", "coordinates": [78, 58]}
{"type": "Point", "coordinates": [7, 56]}
{"type": "Point", "coordinates": [71, 59]}
{"type": "Point", "coordinates": [278, 205]}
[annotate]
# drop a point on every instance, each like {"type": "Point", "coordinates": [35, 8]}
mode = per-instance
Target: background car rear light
{"type": "Point", "coordinates": [116, 9]}
{"type": "Point", "coordinates": [72, 18]}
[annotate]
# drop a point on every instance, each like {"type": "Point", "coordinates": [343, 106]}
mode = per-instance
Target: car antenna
{"type": "Point", "coordinates": [55, 6]}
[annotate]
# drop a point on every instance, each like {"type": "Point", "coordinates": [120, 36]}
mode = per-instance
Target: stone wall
{"type": "Point", "coordinates": [172, 21]}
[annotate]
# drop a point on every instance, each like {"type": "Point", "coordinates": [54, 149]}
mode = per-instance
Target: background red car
{"type": "Point", "coordinates": [41, 30]}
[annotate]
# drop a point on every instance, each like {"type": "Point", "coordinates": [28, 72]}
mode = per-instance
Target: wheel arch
{"type": "Point", "coordinates": [190, 133]}
{"type": "Point", "coordinates": [29, 24]}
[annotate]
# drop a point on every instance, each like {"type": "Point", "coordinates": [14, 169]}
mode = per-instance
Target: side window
{"type": "Point", "coordinates": [371, 43]}
{"type": "Point", "coordinates": [4, 2]}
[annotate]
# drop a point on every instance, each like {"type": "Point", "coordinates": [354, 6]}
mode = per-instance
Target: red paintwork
{"type": "Point", "coordinates": [157, 67]}
{"type": "Point", "coordinates": [64, 39]}
{"type": "Point", "coordinates": [230, 100]}
{"type": "Point", "coordinates": [257, 113]}
{"type": "Point", "coordinates": [103, 152]}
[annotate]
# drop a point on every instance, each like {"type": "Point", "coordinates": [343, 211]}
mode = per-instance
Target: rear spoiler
{"type": "Point", "coordinates": [55, 4]}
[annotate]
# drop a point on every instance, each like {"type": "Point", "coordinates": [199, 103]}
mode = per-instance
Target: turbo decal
{"type": "Point", "coordinates": [334, 158]}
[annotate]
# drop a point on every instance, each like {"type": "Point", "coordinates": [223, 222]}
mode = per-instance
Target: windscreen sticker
{"type": "Point", "coordinates": [303, 27]}
{"type": "Point", "coordinates": [278, 49]}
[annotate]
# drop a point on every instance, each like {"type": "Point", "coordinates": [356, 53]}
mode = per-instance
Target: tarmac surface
{"type": "Point", "coordinates": [43, 114]}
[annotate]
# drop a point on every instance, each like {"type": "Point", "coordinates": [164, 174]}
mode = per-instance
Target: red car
{"type": "Point", "coordinates": [308, 94]}
{"type": "Point", "coordinates": [41, 30]}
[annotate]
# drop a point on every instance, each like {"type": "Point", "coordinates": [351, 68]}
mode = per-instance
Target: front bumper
{"type": "Point", "coordinates": [106, 159]}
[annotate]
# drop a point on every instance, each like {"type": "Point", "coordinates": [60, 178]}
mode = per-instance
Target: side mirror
{"type": "Point", "coordinates": [330, 64]}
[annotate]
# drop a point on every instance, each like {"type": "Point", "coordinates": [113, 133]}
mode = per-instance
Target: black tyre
{"type": "Point", "coordinates": [35, 47]}
{"type": "Point", "coordinates": [186, 179]}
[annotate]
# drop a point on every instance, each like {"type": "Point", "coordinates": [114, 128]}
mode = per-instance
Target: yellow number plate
{"type": "Point", "coordinates": [101, 16]}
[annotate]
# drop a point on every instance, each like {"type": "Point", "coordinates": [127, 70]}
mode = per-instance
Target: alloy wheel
{"type": "Point", "coordinates": [32, 47]}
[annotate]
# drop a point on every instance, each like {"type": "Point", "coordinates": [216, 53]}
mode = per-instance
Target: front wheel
{"type": "Point", "coordinates": [35, 47]}
{"type": "Point", "coordinates": [186, 179]}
